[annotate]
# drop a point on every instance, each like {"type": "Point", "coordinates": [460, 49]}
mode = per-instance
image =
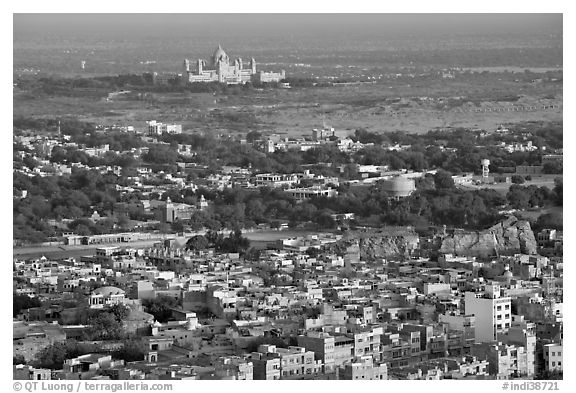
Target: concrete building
{"type": "Point", "coordinates": [24, 372]}
{"type": "Point", "coordinates": [309, 192]}
{"type": "Point", "coordinates": [106, 296]}
{"type": "Point", "coordinates": [522, 333]}
{"type": "Point", "coordinates": [158, 128]}
{"type": "Point", "coordinates": [266, 365]}
{"type": "Point", "coordinates": [275, 180]}
{"type": "Point", "coordinates": [322, 344]}
{"type": "Point", "coordinates": [553, 357]}
{"type": "Point", "coordinates": [505, 361]}
{"type": "Point", "coordinates": [492, 311]}
{"type": "Point", "coordinates": [234, 368]}
{"type": "Point", "coordinates": [295, 362]}
{"type": "Point", "coordinates": [365, 369]}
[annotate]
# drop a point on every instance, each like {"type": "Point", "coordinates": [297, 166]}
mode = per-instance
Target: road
{"type": "Point", "coordinates": [60, 251]}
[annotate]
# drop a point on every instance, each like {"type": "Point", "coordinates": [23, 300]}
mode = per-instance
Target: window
{"type": "Point", "coordinates": [559, 353]}
{"type": "Point", "coordinates": [507, 307]}
{"type": "Point", "coordinates": [498, 308]}
{"type": "Point", "coordinates": [553, 364]}
{"type": "Point", "coordinates": [498, 316]}
{"type": "Point", "coordinates": [553, 353]}
{"type": "Point", "coordinates": [499, 326]}
{"type": "Point", "coordinates": [559, 363]}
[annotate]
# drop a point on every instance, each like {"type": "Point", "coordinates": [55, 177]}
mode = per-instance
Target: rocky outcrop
{"type": "Point", "coordinates": [511, 236]}
{"type": "Point", "coordinates": [374, 244]}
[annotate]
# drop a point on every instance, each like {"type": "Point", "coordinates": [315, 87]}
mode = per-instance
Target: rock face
{"type": "Point", "coordinates": [511, 236]}
{"type": "Point", "coordinates": [371, 245]}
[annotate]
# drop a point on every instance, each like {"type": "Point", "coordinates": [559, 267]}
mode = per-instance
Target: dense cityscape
{"type": "Point", "coordinates": [222, 249]}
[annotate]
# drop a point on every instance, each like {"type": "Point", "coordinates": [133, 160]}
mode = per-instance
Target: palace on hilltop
{"type": "Point", "coordinates": [221, 69]}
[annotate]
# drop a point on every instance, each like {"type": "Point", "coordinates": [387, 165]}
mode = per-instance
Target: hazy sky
{"type": "Point", "coordinates": [313, 24]}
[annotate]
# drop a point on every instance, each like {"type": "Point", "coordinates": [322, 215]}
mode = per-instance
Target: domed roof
{"type": "Point", "coordinates": [219, 53]}
{"type": "Point", "coordinates": [108, 291]}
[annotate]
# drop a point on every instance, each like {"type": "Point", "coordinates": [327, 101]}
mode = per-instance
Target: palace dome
{"type": "Point", "coordinates": [219, 54]}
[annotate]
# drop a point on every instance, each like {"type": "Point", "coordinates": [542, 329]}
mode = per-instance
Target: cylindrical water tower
{"type": "Point", "coordinates": [485, 167]}
{"type": "Point", "coordinates": [399, 187]}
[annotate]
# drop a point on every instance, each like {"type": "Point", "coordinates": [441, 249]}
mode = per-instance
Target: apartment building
{"type": "Point", "coordinates": [492, 311]}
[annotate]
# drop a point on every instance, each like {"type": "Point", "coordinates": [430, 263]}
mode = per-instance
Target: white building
{"type": "Point", "coordinates": [106, 296]}
{"type": "Point", "coordinates": [553, 357]}
{"type": "Point", "coordinates": [492, 311]}
{"type": "Point", "coordinates": [158, 128]}
{"type": "Point", "coordinates": [309, 192]}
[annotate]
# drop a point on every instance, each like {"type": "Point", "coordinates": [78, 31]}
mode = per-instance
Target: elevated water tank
{"type": "Point", "coordinates": [399, 187]}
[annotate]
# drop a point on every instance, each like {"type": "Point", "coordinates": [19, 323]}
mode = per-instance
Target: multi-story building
{"type": "Point", "coordinates": [295, 362]}
{"type": "Point", "coordinates": [322, 344]}
{"type": "Point", "coordinates": [266, 365]}
{"type": "Point", "coordinates": [158, 128]}
{"type": "Point", "coordinates": [363, 369]}
{"type": "Point", "coordinates": [396, 351]}
{"type": "Point", "coordinates": [302, 193]}
{"type": "Point", "coordinates": [505, 361]}
{"type": "Point", "coordinates": [492, 311]}
{"type": "Point", "coordinates": [553, 357]}
{"type": "Point", "coordinates": [275, 180]}
{"type": "Point", "coordinates": [234, 368]}
{"type": "Point", "coordinates": [522, 333]}
{"type": "Point", "coordinates": [343, 349]}
{"type": "Point", "coordinates": [464, 323]}
{"type": "Point", "coordinates": [368, 342]}
{"type": "Point", "coordinates": [24, 373]}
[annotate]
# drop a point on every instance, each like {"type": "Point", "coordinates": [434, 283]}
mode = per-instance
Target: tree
{"type": "Point", "coordinates": [325, 220]}
{"type": "Point", "coordinates": [443, 180]}
{"type": "Point", "coordinates": [18, 359]}
{"type": "Point", "coordinates": [253, 136]}
{"type": "Point", "coordinates": [518, 197]}
{"type": "Point", "coordinates": [120, 312]}
{"type": "Point", "coordinates": [104, 326]}
{"type": "Point", "coordinates": [160, 307]}
{"type": "Point", "coordinates": [252, 254]}
{"type": "Point", "coordinates": [131, 351]}
{"type": "Point", "coordinates": [558, 190]}
{"type": "Point", "coordinates": [517, 179]}
{"type": "Point", "coordinates": [23, 302]}
{"type": "Point", "coordinates": [549, 221]}
{"type": "Point", "coordinates": [197, 243]}
{"type": "Point", "coordinates": [53, 356]}
{"type": "Point", "coordinates": [235, 242]}
{"type": "Point", "coordinates": [313, 252]}
{"type": "Point", "coordinates": [271, 340]}
{"type": "Point", "coordinates": [554, 167]}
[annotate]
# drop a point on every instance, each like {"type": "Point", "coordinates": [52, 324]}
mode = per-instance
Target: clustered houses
{"type": "Point", "coordinates": [153, 183]}
{"type": "Point", "coordinates": [303, 308]}
{"type": "Point", "coordinates": [288, 315]}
